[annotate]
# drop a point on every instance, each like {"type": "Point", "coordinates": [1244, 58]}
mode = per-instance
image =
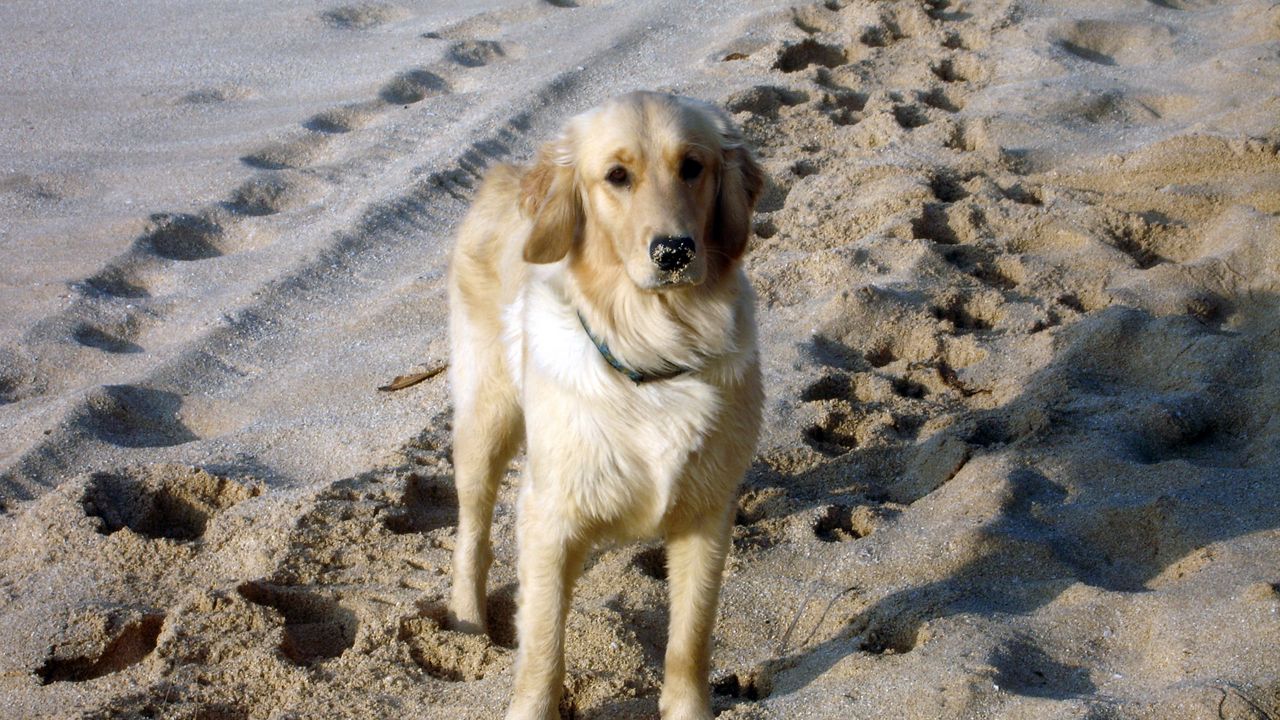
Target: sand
{"type": "Point", "coordinates": [1019, 272]}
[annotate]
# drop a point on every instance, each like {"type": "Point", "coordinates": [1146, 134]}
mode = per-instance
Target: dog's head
{"type": "Point", "coordinates": [658, 185]}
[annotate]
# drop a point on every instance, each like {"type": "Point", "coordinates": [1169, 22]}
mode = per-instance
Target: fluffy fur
{"type": "Point", "coordinates": [608, 459]}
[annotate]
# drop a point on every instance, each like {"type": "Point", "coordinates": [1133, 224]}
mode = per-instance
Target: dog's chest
{"type": "Point", "coordinates": [620, 459]}
{"type": "Point", "coordinates": [606, 450]}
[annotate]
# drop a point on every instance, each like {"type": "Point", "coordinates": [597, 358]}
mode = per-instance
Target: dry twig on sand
{"type": "Point", "coordinates": [401, 382]}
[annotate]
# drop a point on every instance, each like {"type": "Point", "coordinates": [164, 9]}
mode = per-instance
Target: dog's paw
{"type": "Point", "coordinates": [532, 708]}
{"type": "Point", "coordinates": [687, 714]}
{"type": "Point", "coordinates": [684, 707]}
{"type": "Point", "coordinates": [474, 626]}
{"type": "Point", "coordinates": [465, 621]}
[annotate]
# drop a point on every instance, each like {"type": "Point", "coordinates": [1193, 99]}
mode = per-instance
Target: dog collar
{"type": "Point", "coordinates": [636, 376]}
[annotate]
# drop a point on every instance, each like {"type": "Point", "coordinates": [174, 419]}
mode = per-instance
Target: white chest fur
{"type": "Point", "coordinates": [609, 453]}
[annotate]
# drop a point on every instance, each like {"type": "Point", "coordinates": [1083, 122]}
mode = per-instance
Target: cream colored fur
{"type": "Point", "coordinates": [608, 459]}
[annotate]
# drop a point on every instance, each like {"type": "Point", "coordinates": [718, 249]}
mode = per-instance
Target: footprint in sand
{"type": "Point", "coordinates": [765, 100]}
{"type": "Point", "coordinates": [42, 187]}
{"type": "Point", "coordinates": [958, 68]}
{"type": "Point", "coordinates": [948, 187]}
{"type": "Point", "coordinates": [965, 313]}
{"type": "Point", "coordinates": [1189, 428]}
{"type": "Point", "coordinates": [427, 503]}
{"type": "Point", "coordinates": [797, 56]}
{"type": "Point", "coordinates": [425, 632]}
{"type": "Point", "coordinates": [19, 378]}
{"type": "Point", "coordinates": [227, 92]}
{"type": "Point", "coordinates": [935, 224]}
{"type": "Point", "coordinates": [763, 503]}
{"type": "Point", "coordinates": [115, 338]}
{"type": "Point", "coordinates": [1004, 272]}
{"type": "Point", "coordinates": [842, 106]}
{"type": "Point", "coordinates": [316, 626]}
{"type": "Point", "coordinates": [180, 236]}
{"type": "Point", "coordinates": [289, 154]}
{"type": "Point", "coordinates": [1025, 668]}
{"type": "Point", "coordinates": [764, 227]}
{"type": "Point", "coordinates": [413, 86]}
{"type": "Point", "coordinates": [134, 416]}
{"type": "Point", "coordinates": [1184, 4]}
{"type": "Point", "coordinates": [943, 11]}
{"type": "Point", "coordinates": [842, 423]}
{"type": "Point", "coordinates": [966, 136]}
{"type": "Point", "coordinates": [99, 639]}
{"type": "Point", "coordinates": [120, 280]}
{"type": "Point", "coordinates": [814, 19]}
{"type": "Point", "coordinates": [203, 235]}
{"type": "Point", "coordinates": [172, 502]}
{"type": "Point", "coordinates": [1113, 42]}
{"type": "Point", "coordinates": [833, 430]}
{"type": "Point", "coordinates": [652, 563]}
{"type": "Point", "coordinates": [941, 99]}
{"type": "Point", "coordinates": [804, 168]}
{"type": "Point", "coordinates": [895, 627]}
{"type": "Point", "coordinates": [478, 53]}
{"type": "Point", "coordinates": [910, 116]}
{"type": "Point", "coordinates": [880, 35]}
{"type": "Point", "coordinates": [269, 194]}
{"type": "Point", "coordinates": [363, 16]}
{"type": "Point", "coordinates": [451, 656]}
{"type": "Point", "coordinates": [845, 523]}
{"type": "Point", "coordinates": [744, 686]}
{"type": "Point", "coordinates": [835, 524]}
{"type": "Point", "coordinates": [11, 389]}
{"type": "Point", "coordinates": [1144, 238]}
{"type": "Point", "coordinates": [953, 40]}
{"type": "Point", "coordinates": [343, 119]}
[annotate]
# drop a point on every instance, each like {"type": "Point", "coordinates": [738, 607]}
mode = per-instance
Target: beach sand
{"type": "Point", "coordinates": [1018, 267]}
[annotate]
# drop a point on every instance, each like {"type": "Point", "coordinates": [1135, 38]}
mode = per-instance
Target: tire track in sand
{"type": "Point", "coordinates": [257, 325]}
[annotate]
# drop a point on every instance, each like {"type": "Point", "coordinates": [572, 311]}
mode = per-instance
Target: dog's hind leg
{"type": "Point", "coordinates": [695, 562]}
{"type": "Point", "coordinates": [487, 431]}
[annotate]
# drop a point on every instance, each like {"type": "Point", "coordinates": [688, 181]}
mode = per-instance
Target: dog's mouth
{"type": "Point", "coordinates": [686, 277]}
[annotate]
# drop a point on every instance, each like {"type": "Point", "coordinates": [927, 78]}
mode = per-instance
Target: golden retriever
{"type": "Point", "coordinates": [598, 312]}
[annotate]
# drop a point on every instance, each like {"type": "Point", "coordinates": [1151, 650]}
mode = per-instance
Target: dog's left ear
{"type": "Point", "coordinates": [741, 182]}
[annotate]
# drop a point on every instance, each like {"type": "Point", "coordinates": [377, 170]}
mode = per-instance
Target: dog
{"type": "Point", "coordinates": [599, 315]}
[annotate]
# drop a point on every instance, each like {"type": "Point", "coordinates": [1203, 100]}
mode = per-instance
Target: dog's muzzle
{"type": "Point", "coordinates": [671, 254]}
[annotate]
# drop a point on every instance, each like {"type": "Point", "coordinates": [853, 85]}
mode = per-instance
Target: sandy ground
{"type": "Point", "coordinates": [1018, 267]}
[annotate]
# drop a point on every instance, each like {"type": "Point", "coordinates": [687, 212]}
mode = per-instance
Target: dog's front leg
{"type": "Point", "coordinates": [549, 563]}
{"type": "Point", "coordinates": [696, 553]}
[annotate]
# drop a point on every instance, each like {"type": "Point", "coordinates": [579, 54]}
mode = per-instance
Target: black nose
{"type": "Point", "coordinates": [671, 253]}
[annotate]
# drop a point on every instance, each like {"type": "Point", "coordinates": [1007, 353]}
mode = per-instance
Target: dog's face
{"type": "Point", "coordinates": [657, 185]}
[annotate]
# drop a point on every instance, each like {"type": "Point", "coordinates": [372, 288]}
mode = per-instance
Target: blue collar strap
{"type": "Point", "coordinates": [636, 376]}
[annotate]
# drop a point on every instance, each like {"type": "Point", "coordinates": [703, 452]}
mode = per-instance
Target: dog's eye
{"type": "Point", "coordinates": [617, 176]}
{"type": "Point", "coordinates": [690, 169]}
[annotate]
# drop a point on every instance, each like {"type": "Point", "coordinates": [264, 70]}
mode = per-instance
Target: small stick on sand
{"type": "Point", "coordinates": [786, 637]}
{"type": "Point", "coordinates": [401, 382]}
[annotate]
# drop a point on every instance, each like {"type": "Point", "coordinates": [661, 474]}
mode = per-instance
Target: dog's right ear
{"type": "Point", "coordinates": [549, 197]}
